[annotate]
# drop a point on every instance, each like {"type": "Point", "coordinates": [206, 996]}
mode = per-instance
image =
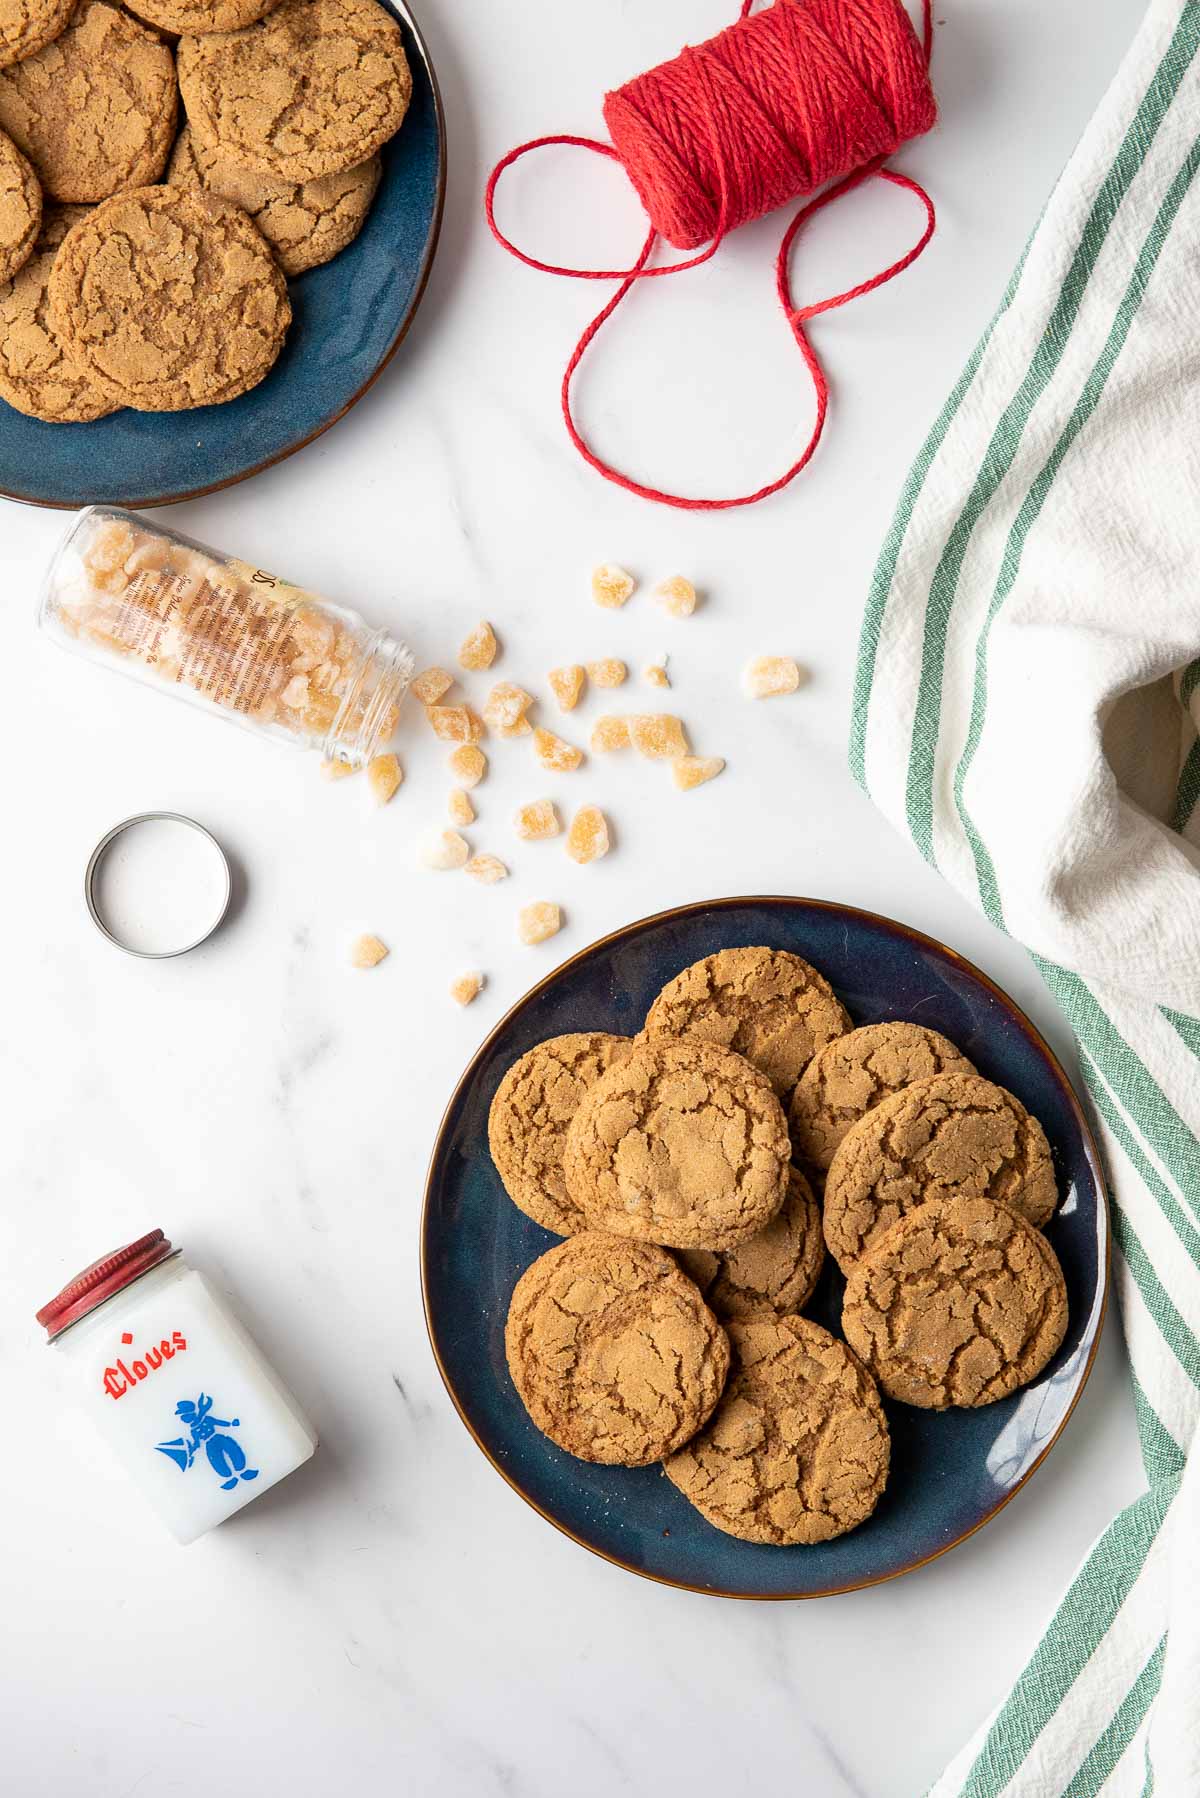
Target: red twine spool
{"type": "Point", "coordinates": [807, 93]}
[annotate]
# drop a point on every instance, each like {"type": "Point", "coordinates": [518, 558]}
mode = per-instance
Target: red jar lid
{"type": "Point", "coordinates": [99, 1281]}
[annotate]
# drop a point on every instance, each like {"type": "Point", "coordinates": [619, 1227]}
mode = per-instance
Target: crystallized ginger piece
{"type": "Point", "coordinates": [608, 673]}
{"type": "Point", "coordinates": [553, 753]}
{"type": "Point", "coordinates": [460, 808]}
{"type": "Point", "coordinates": [336, 770]}
{"type": "Point", "coordinates": [433, 684]}
{"type": "Point", "coordinates": [384, 775]}
{"type": "Point", "coordinates": [767, 677]}
{"type": "Point", "coordinates": [295, 694]}
{"type": "Point", "coordinates": [444, 849]}
{"type": "Point", "coordinates": [655, 674]}
{"type": "Point", "coordinates": [538, 921]}
{"type": "Point", "coordinates": [693, 770]}
{"type": "Point", "coordinates": [367, 952]}
{"type": "Point", "coordinates": [611, 586]}
{"type": "Point", "coordinates": [657, 735]}
{"type": "Point", "coordinates": [454, 723]}
{"type": "Point", "coordinates": [466, 988]}
{"type": "Point", "coordinates": [505, 710]}
{"type": "Point", "coordinates": [536, 820]}
{"type": "Point", "coordinates": [487, 869]}
{"type": "Point", "coordinates": [587, 839]}
{"type": "Point", "coordinates": [676, 595]}
{"type": "Point", "coordinates": [468, 764]}
{"type": "Point", "coordinates": [478, 648]}
{"type": "Point", "coordinates": [610, 732]}
{"type": "Point", "coordinates": [566, 684]}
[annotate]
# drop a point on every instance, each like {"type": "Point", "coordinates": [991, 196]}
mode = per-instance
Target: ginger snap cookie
{"type": "Point", "coordinates": [778, 1268]}
{"type": "Point", "coordinates": [314, 88]}
{"type": "Point", "coordinates": [951, 1136]}
{"type": "Point", "coordinates": [765, 1004]}
{"type": "Point", "coordinates": [798, 1448]}
{"type": "Point", "coordinates": [37, 375]}
{"type": "Point", "coordinates": [960, 1303]}
{"type": "Point", "coordinates": [94, 111]}
{"type": "Point", "coordinates": [169, 298]}
{"type": "Point", "coordinates": [306, 223]}
{"type": "Point", "coordinates": [528, 1119]}
{"type": "Point", "coordinates": [615, 1355]}
{"type": "Point", "coordinates": [20, 208]}
{"type": "Point", "coordinates": [26, 26]}
{"type": "Point", "coordinates": [683, 1144]}
{"type": "Point", "coordinates": [195, 17]}
{"type": "Point", "coordinates": [850, 1076]}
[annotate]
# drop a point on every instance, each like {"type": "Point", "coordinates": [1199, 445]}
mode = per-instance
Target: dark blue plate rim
{"type": "Point", "coordinates": [784, 902]}
{"type": "Point", "coordinates": [431, 242]}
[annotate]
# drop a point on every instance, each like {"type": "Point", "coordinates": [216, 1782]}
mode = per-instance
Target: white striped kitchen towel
{"type": "Point", "coordinates": [1026, 708]}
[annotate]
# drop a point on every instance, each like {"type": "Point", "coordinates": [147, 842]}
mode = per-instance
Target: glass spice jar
{"type": "Point", "coordinates": [223, 635]}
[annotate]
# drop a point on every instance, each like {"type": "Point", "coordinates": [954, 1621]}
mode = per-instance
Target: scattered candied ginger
{"type": "Point", "coordinates": [468, 764]}
{"type": "Point", "coordinates": [478, 648]}
{"type": "Point", "coordinates": [609, 673]}
{"type": "Point", "coordinates": [431, 685]}
{"type": "Point", "coordinates": [454, 723]}
{"type": "Point", "coordinates": [610, 733]}
{"type": "Point", "coordinates": [505, 710]}
{"type": "Point", "coordinates": [536, 820]}
{"type": "Point", "coordinates": [538, 921]}
{"type": "Point", "coordinates": [444, 849]}
{"type": "Point", "coordinates": [566, 684]}
{"type": "Point", "coordinates": [466, 988]}
{"type": "Point", "coordinates": [693, 770]}
{"type": "Point", "coordinates": [384, 776]}
{"type": "Point", "coordinates": [676, 595]}
{"type": "Point", "coordinates": [367, 952]}
{"type": "Point", "coordinates": [587, 839]}
{"type": "Point", "coordinates": [486, 869]}
{"type": "Point", "coordinates": [657, 735]}
{"type": "Point", "coordinates": [655, 674]}
{"type": "Point", "coordinates": [611, 586]}
{"type": "Point", "coordinates": [459, 806]}
{"type": "Point", "coordinates": [333, 768]}
{"type": "Point", "coordinates": [767, 677]}
{"type": "Point", "coordinates": [553, 753]}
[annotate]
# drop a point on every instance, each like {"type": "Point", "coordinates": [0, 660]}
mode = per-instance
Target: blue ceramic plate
{"type": "Point", "coordinates": [951, 1471]}
{"type": "Point", "coordinates": [349, 318]}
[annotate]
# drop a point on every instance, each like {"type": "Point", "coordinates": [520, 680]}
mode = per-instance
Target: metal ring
{"type": "Point", "coordinates": [101, 850]}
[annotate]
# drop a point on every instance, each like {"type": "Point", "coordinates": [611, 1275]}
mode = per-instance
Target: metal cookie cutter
{"type": "Point", "coordinates": [104, 921]}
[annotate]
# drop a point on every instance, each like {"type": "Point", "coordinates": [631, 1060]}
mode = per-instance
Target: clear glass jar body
{"type": "Point", "coordinates": [230, 638]}
{"type": "Point", "coordinates": [184, 1397]}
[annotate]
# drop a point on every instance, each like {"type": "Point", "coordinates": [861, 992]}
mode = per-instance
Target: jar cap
{"type": "Point", "coordinates": [99, 1281]}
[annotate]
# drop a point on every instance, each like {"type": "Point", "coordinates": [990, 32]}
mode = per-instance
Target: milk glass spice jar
{"type": "Point", "coordinates": [181, 1392]}
{"type": "Point", "coordinates": [231, 638]}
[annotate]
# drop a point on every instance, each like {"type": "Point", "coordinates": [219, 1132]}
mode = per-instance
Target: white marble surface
{"type": "Point", "coordinates": [394, 1618]}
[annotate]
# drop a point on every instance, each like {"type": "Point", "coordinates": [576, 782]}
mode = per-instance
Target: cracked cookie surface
{"type": "Point", "coordinates": [37, 374]}
{"type": "Point", "coordinates": [951, 1136]}
{"type": "Point", "coordinates": [961, 1303]}
{"type": "Point", "coordinates": [850, 1076]}
{"type": "Point", "coordinates": [198, 16]}
{"type": "Point", "coordinates": [314, 88]}
{"type": "Point", "coordinates": [529, 1116]}
{"type": "Point", "coordinates": [306, 223]}
{"type": "Point", "coordinates": [20, 208]}
{"type": "Point", "coordinates": [778, 1268]}
{"type": "Point", "coordinates": [26, 26]}
{"type": "Point", "coordinates": [765, 1004]}
{"type": "Point", "coordinates": [798, 1448]}
{"type": "Point", "coordinates": [94, 111]}
{"type": "Point", "coordinates": [614, 1353]}
{"type": "Point", "coordinates": [169, 298]}
{"type": "Point", "coordinates": [683, 1144]}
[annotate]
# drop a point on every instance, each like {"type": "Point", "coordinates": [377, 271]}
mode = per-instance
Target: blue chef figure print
{"type": "Point", "coordinates": [226, 1457]}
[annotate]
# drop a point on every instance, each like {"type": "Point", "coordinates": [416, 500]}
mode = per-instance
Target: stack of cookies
{"type": "Point", "coordinates": [147, 269]}
{"type": "Point", "coordinates": [699, 1172]}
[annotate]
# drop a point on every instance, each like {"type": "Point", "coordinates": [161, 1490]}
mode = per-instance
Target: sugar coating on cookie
{"type": "Point", "coordinates": [856, 1072]}
{"type": "Point", "coordinates": [197, 16]}
{"type": "Point", "coordinates": [951, 1136]}
{"type": "Point", "coordinates": [94, 111]}
{"type": "Point", "coordinates": [27, 25]}
{"type": "Point", "coordinates": [960, 1303]}
{"type": "Point", "coordinates": [306, 223]}
{"type": "Point", "coordinates": [316, 87]}
{"type": "Point", "coordinates": [20, 208]}
{"type": "Point", "coordinates": [169, 298]}
{"type": "Point", "coordinates": [614, 1353]}
{"type": "Point", "coordinates": [683, 1144]}
{"type": "Point", "coordinates": [529, 1116]}
{"type": "Point", "coordinates": [765, 1004]}
{"type": "Point", "coordinates": [798, 1448]}
{"type": "Point", "coordinates": [38, 376]}
{"type": "Point", "coordinates": [778, 1268]}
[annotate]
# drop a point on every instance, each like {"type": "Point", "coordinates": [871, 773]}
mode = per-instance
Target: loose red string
{"type": "Point", "coordinates": [809, 164]}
